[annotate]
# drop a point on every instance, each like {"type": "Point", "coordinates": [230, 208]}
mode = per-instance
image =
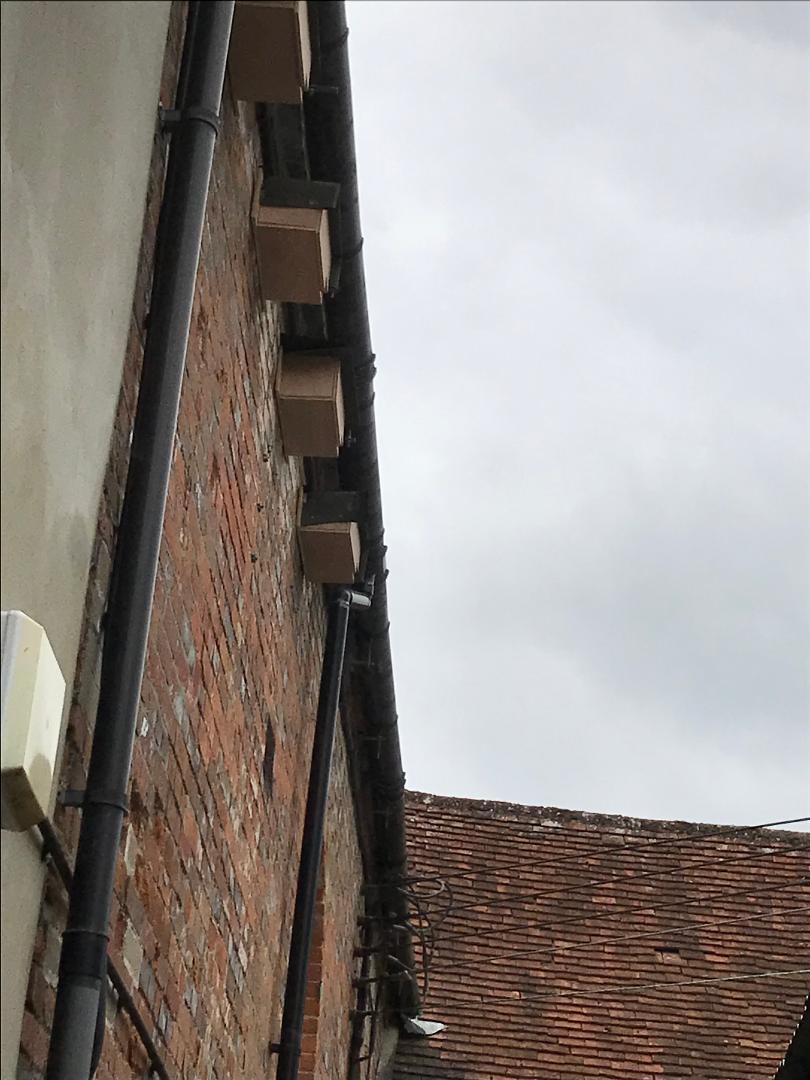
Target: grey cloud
{"type": "Point", "coordinates": [783, 23]}
{"type": "Point", "coordinates": [589, 279]}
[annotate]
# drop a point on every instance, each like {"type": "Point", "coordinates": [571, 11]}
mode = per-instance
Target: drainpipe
{"type": "Point", "coordinates": [82, 966]}
{"type": "Point", "coordinates": [341, 603]}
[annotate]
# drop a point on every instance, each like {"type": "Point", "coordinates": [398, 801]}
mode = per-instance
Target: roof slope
{"type": "Point", "coordinates": [743, 897]}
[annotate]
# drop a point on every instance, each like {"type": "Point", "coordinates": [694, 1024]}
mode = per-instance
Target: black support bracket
{"type": "Point", "coordinates": [171, 119]}
{"type": "Point", "coordinates": [323, 507]}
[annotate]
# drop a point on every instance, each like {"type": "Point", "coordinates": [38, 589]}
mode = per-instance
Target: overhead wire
{"type": "Point", "coordinates": [664, 932]}
{"type": "Point", "coordinates": [623, 988]}
{"type": "Point", "coordinates": [426, 921]}
{"type": "Point", "coordinates": [514, 898]}
{"type": "Point", "coordinates": [629, 909]}
{"type": "Point", "coordinates": [424, 898]}
{"type": "Point", "coordinates": [425, 956]}
{"type": "Point", "coordinates": [426, 933]}
{"type": "Point", "coordinates": [630, 848]}
{"type": "Point", "coordinates": [421, 899]}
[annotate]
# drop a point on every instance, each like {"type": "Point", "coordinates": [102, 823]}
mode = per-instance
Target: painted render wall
{"type": "Point", "coordinates": [80, 83]}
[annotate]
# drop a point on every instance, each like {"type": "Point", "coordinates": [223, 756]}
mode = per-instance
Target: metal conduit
{"type": "Point", "coordinates": [340, 604]}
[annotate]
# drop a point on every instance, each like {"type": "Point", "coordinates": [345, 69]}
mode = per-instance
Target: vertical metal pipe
{"type": "Point", "coordinates": [292, 1022]}
{"type": "Point", "coordinates": [82, 967]}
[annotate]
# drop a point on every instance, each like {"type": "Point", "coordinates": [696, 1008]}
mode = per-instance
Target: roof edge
{"type": "Point", "coordinates": [554, 816]}
{"type": "Point", "coordinates": [330, 128]}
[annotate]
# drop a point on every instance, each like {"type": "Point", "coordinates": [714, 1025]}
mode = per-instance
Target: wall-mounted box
{"type": "Point", "coordinates": [291, 219]}
{"type": "Point", "coordinates": [270, 56]}
{"type": "Point", "coordinates": [295, 255]}
{"type": "Point", "coordinates": [32, 693]}
{"type": "Point", "coordinates": [329, 541]}
{"type": "Point", "coordinates": [309, 395]}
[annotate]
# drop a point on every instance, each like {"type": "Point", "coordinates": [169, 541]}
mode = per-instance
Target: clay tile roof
{"type": "Point", "coordinates": [744, 896]}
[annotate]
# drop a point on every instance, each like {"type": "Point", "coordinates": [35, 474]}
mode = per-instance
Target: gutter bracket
{"type": "Point", "coordinates": [325, 90]}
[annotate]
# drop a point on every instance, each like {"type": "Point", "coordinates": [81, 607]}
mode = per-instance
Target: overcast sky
{"type": "Point", "coordinates": [588, 262]}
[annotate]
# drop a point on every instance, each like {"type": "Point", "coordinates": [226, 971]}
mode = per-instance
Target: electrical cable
{"type": "Point", "coordinates": [428, 929]}
{"type": "Point", "coordinates": [623, 988]}
{"type": "Point", "coordinates": [426, 895]}
{"type": "Point", "coordinates": [419, 900]}
{"type": "Point", "coordinates": [613, 912]}
{"type": "Point", "coordinates": [657, 842]}
{"type": "Point", "coordinates": [425, 932]}
{"type": "Point", "coordinates": [407, 971]}
{"type": "Point", "coordinates": [664, 932]}
{"type": "Point", "coordinates": [426, 955]}
{"type": "Point", "coordinates": [514, 898]}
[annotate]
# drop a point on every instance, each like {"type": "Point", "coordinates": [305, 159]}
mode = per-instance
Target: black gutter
{"type": "Point", "coordinates": [82, 967]}
{"type": "Point", "coordinates": [330, 130]}
{"type": "Point", "coordinates": [52, 848]}
{"type": "Point", "coordinates": [289, 1046]}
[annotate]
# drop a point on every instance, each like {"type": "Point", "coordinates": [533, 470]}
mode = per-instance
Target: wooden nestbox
{"type": "Point", "coordinates": [309, 396]}
{"type": "Point", "coordinates": [270, 56]}
{"type": "Point", "coordinates": [291, 225]}
{"type": "Point", "coordinates": [329, 537]}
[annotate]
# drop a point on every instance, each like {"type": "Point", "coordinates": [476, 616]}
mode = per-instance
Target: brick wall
{"type": "Point", "coordinates": [205, 882]}
{"type": "Point", "coordinates": [312, 1004]}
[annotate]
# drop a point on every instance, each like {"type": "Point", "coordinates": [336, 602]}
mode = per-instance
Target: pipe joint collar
{"type": "Point", "coordinates": [84, 954]}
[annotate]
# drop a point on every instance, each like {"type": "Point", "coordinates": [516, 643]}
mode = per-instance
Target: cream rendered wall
{"type": "Point", "coordinates": [80, 84]}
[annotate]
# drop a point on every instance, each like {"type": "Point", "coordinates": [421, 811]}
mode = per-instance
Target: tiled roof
{"type": "Point", "coordinates": [562, 1009]}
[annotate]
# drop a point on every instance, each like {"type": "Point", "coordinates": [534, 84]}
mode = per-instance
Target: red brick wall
{"type": "Point", "coordinates": [312, 1004]}
{"type": "Point", "coordinates": [205, 883]}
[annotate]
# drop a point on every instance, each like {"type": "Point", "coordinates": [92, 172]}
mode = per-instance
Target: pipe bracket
{"type": "Point", "coordinates": [84, 952]}
{"type": "Point", "coordinates": [171, 119]}
{"type": "Point", "coordinates": [71, 797]}
{"type": "Point", "coordinates": [76, 798]}
{"type": "Point", "coordinates": [104, 797]}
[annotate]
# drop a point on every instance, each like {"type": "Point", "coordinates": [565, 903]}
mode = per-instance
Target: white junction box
{"type": "Point", "coordinates": [32, 693]}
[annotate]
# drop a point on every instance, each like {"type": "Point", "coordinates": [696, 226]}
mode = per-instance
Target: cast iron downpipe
{"type": "Point", "coordinates": [53, 850]}
{"type": "Point", "coordinates": [82, 966]}
{"type": "Point", "coordinates": [340, 604]}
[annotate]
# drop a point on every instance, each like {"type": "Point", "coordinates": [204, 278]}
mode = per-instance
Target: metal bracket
{"type": "Point", "coordinates": [389, 976]}
{"type": "Point", "coordinates": [303, 194]}
{"type": "Point", "coordinates": [71, 797]}
{"type": "Point", "coordinates": [359, 601]}
{"type": "Point", "coordinates": [74, 797]}
{"type": "Point", "coordinates": [322, 91]}
{"type": "Point", "coordinates": [334, 278]}
{"type": "Point", "coordinates": [324, 507]}
{"type": "Point", "coordinates": [171, 119]}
